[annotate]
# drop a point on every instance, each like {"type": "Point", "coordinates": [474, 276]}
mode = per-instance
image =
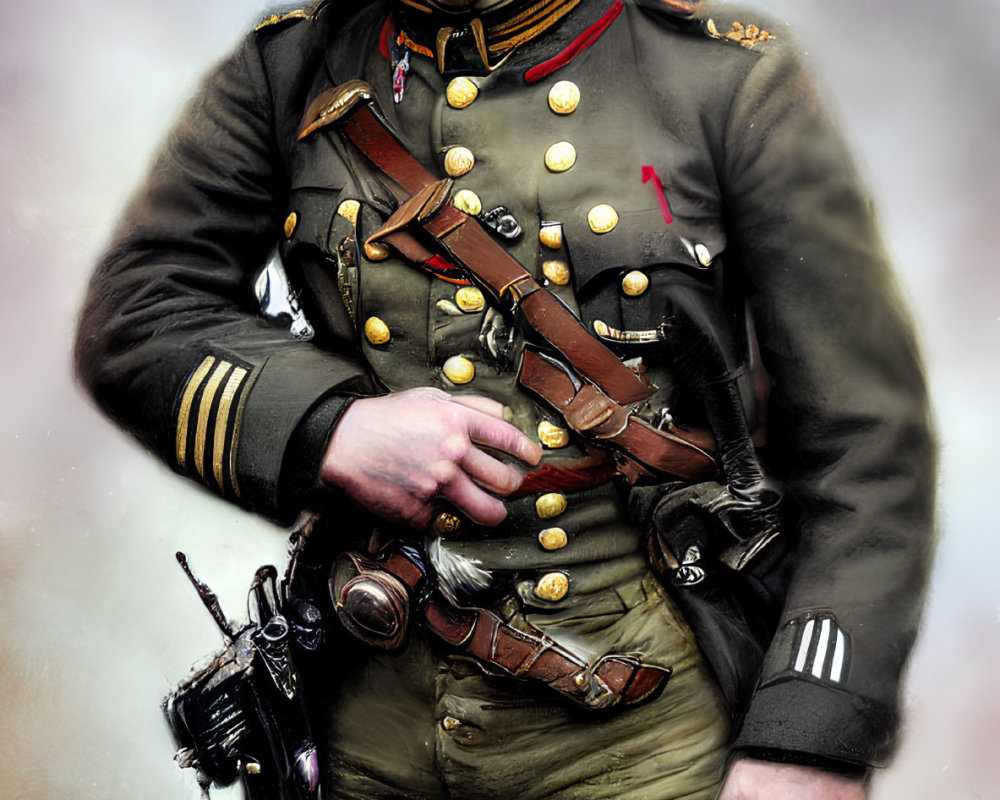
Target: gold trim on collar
{"type": "Point", "coordinates": [527, 25]}
{"type": "Point", "coordinates": [529, 16]}
{"type": "Point", "coordinates": [440, 44]}
{"type": "Point", "coordinates": [536, 29]}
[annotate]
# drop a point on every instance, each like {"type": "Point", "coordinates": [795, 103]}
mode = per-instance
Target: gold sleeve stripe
{"type": "Point", "coordinates": [184, 414]}
{"type": "Point", "coordinates": [204, 411]}
{"type": "Point", "coordinates": [222, 422]}
{"type": "Point", "coordinates": [237, 425]}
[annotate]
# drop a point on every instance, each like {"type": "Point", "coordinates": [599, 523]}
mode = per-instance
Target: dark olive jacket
{"type": "Point", "coordinates": [758, 188]}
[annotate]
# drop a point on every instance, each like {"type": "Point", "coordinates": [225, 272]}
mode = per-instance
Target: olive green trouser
{"type": "Point", "coordinates": [418, 725]}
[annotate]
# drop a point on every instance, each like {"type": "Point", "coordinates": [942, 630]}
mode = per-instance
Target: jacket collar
{"type": "Point", "coordinates": [472, 42]}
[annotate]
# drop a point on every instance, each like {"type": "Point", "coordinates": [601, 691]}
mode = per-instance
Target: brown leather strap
{"type": "Point", "coordinates": [508, 283]}
{"type": "Point", "coordinates": [501, 649]}
{"type": "Point", "coordinates": [596, 417]}
{"type": "Point", "coordinates": [641, 451]}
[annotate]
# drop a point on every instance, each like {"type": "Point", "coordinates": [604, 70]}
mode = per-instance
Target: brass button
{"type": "Point", "coordinates": [552, 586]}
{"type": "Point", "coordinates": [290, 222]}
{"type": "Point", "coordinates": [635, 283]}
{"type": "Point", "coordinates": [602, 218]}
{"type": "Point", "coordinates": [470, 299]}
{"type": "Point", "coordinates": [704, 257]}
{"type": "Point", "coordinates": [551, 236]}
{"type": "Point", "coordinates": [564, 97]}
{"type": "Point", "coordinates": [553, 538]}
{"type": "Point", "coordinates": [556, 271]}
{"type": "Point", "coordinates": [552, 436]}
{"type": "Point", "coordinates": [376, 331]}
{"type": "Point", "coordinates": [468, 201]}
{"type": "Point", "coordinates": [445, 523]}
{"type": "Point", "coordinates": [459, 370]}
{"type": "Point", "coordinates": [550, 505]}
{"type": "Point", "coordinates": [376, 251]}
{"type": "Point", "coordinates": [461, 92]}
{"type": "Point", "coordinates": [560, 156]}
{"type": "Point", "coordinates": [458, 161]}
{"type": "Point", "coordinates": [451, 723]}
{"type": "Point", "coordinates": [349, 210]}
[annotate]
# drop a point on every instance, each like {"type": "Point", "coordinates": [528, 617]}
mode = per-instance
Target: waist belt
{"type": "Point", "coordinates": [372, 599]}
{"type": "Point", "coordinates": [426, 228]}
{"type": "Point", "coordinates": [502, 649]}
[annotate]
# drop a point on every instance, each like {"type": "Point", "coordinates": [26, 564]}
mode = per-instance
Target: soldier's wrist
{"type": "Point", "coordinates": [845, 769]}
{"type": "Point", "coordinates": [300, 474]}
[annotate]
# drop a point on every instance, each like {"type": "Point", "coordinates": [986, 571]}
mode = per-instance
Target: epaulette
{"type": "Point", "coordinates": [698, 19]}
{"type": "Point", "coordinates": [748, 35]}
{"type": "Point", "coordinates": [308, 12]}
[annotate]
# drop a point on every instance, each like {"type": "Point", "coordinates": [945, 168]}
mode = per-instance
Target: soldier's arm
{"type": "Point", "coordinates": [172, 345]}
{"type": "Point", "coordinates": [848, 425]}
{"type": "Point", "coordinates": [170, 340]}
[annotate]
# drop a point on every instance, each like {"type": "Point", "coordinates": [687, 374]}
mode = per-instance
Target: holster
{"type": "Point", "coordinates": [733, 612]}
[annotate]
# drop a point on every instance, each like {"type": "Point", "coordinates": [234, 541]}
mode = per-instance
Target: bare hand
{"type": "Point", "coordinates": [398, 454]}
{"type": "Point", "coordinates": [750, 779]}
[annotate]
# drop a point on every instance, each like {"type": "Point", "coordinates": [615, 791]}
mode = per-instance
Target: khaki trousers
{"type": "Point", "coordinates": [424, 726]}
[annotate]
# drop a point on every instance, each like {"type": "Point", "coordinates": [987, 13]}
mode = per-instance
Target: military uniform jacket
{"type": "Point", "coordinates": [714, 154]}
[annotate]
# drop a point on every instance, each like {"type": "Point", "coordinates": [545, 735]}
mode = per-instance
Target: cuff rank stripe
{"type": "Point", "coordinates": [821, 650]}
{"type": "Point", "coordinates": [208, 421]}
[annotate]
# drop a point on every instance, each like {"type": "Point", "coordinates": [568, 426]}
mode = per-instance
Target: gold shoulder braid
{"type": "Point", "coordinates": [746, 35]}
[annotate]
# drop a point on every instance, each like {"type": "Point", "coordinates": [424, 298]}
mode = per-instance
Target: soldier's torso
{"type": "Point", "coordinates": [582, 158]}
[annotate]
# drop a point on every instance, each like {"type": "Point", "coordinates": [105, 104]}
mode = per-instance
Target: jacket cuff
{"type": "Point", "coordinates": [815, 725]}
{"type": "Point", "coordinates": [286, 389]}
{"type": "Point", "coordinates": [299, 485]}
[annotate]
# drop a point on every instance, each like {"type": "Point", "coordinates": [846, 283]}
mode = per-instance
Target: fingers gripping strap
{"type": "Point", "coordinates": [600, 419]}
{"type": "Point", "coordinates": [445, 232]}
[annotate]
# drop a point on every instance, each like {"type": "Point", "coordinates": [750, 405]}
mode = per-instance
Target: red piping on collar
{"type": "Point", "coordinates": [577, 46]}
{"type": "Point", "coordinates": [388, 33]}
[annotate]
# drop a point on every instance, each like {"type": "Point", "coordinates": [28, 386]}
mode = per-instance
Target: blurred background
{"type": "Point", "coordinates": [98, 622]}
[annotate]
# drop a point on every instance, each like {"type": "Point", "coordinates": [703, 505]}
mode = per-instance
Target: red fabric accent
{"type": "Point", "coordinates": [552, 479]}
{"type": "Point", "coordinates": [388, 33]}
{"type": "Point", "coordinates": [440, 268]}
{"type": "Point", "coordinates": [439, 263]}
{"type": "Point", "coordinates": [577, 46]}
{"type": "Point", "coordinates": [649, 174]}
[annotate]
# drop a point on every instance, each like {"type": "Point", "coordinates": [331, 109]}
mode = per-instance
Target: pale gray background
{"type": "Point", "coordinates": [97, 620]}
